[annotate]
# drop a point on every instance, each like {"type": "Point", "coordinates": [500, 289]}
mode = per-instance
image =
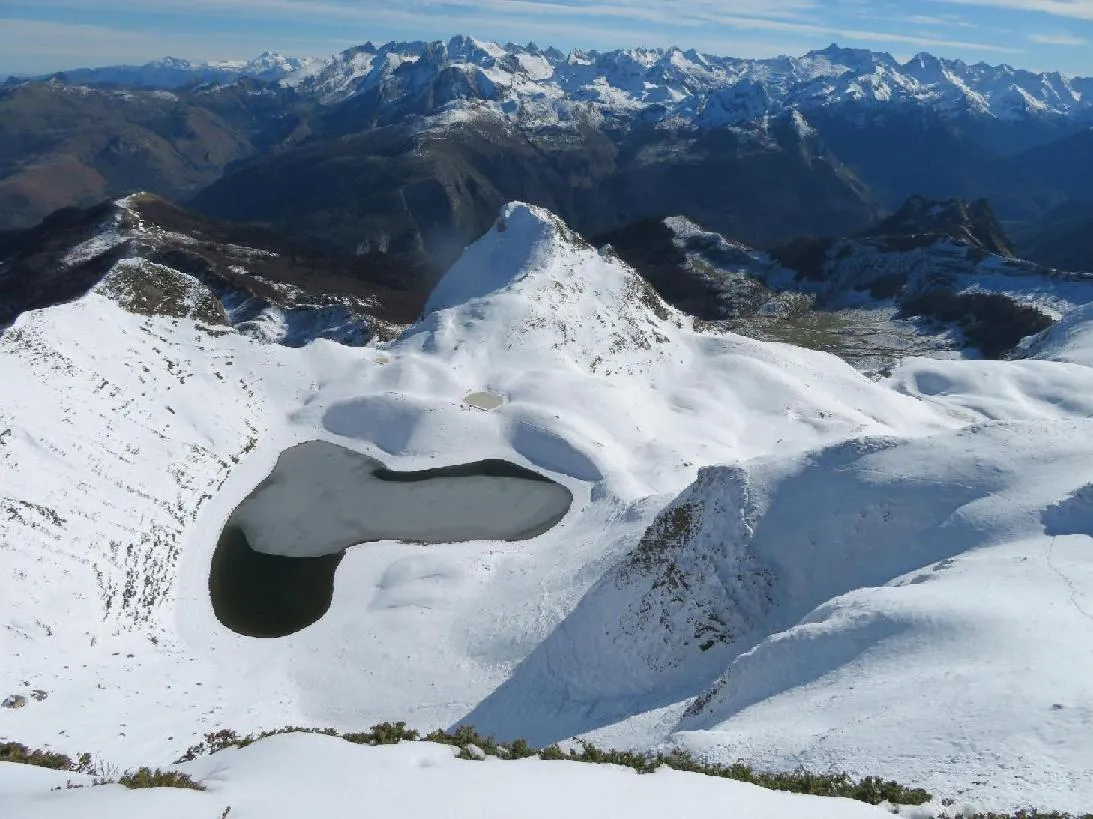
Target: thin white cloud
{"type": "Point", "coordinates": [856, 35]}
{"type": "Point", "coordinates": [1074, 9]}
{"type": "Point", "coordinates": [1058, 39]}
{"type": "Point", "coordinates": [935, 20]}
{"type": "Point", "coordinates": [924, 20]}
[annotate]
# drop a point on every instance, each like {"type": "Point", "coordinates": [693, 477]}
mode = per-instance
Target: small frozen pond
{"type": "Point", "coordinates": [273, 569]}
{"type": "Point", "coordinates": [484, 400]}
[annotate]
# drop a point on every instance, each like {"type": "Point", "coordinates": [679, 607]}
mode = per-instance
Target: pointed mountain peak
{"type": "Point", "coordinates": [531, 272]}
{"type": "Point", "coordinates": [533, 290]}
{"type": "Point", "coordinates": [856, 59]}
{"type": "Point", "coordinates": [173, 62]}
{"type": "Point", "coordinates": [924, 58]}
{"type": "Point", "coordinates": [971, 222]}
{"type": "Point", "coordinates": [521, 241]}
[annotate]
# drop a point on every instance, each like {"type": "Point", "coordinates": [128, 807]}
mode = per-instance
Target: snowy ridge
{"type": "Point", "coordinates": [882, 537]}
{"type": "Point", "coordinates": [107, 572]}
{"type": "Point", "coordinates": [827, 602]}
{"type": "Point", "coordinates": [441, 83]}
{"type": "Point", "coordinates": [272, 312]}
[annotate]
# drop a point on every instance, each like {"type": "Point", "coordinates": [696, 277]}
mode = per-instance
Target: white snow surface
{"type": "Point", "coordinates": [895, 575]}
{"type": "Point", "coordinates": [1070, 340]}
{"type": "Point", "coordinates": [286, 777]}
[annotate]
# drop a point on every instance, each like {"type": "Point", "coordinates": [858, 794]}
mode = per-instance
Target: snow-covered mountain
{"type": "Point", "coordinates": [885, 570]}
{"type": "Point", "coordinates": [672, 87]}
{"type": "Point", "coordinates": [173, 72]}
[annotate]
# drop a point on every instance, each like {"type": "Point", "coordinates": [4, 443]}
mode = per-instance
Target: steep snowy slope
{"type": "Point", "coordinates": [1069, 340]}
{"type": "Point", "coordinates": [939, 591]}
{"type": "Point", "coordinates": [919, 608]}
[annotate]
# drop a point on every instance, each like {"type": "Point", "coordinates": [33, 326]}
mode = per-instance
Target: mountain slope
{"type": "Point", "coordinates": [946, 262]}
{"type": "Point", "coordinates": [922, 282]}
{"type": "Point", "coordinates": [265, 284]}
{"type": "Point", "coordinates": [433, 191]}
{"type": "Point", "coordinates": [1062, 237]}
{"type": "Point", "coordinates": [901, 151]}
{"type": "Point", "coordinates": [986, 506]}
{"type": "Point", "coordinates": [1067, 163]}
{"type": "Point", "coordinates": [72, 145]}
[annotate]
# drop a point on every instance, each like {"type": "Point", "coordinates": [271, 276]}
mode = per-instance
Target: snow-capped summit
{"type": "Point", "coordinates": [532, 287]}
{"type": "Point", "coordinates": [836, 61]}
{"type": "Point", "coordinates": [517, 245]}
{"type": "Point", "coordinates": [176, 63]}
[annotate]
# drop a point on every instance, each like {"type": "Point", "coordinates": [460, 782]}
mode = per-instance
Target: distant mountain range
{"type": "Point", "coordinates": [173, 72]}
{"type": "Point", "coordinates": [669, 85]}
{"type": "Point", "coordinates": [412, 147]}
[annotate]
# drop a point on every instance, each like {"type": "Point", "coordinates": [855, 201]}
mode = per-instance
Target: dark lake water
{"type": "Point", "coordinates": [273, 569]}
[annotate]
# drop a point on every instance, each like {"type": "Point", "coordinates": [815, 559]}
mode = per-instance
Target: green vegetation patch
{"type": "Point", "coordinates": [17, 752]}
{"type": "Point", "coordinates": [83, 764]}
{"type": "Point", "coordinates": [158, 778]}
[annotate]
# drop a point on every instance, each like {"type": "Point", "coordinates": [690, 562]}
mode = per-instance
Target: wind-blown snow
{"type": "Point", "coordinates": [780, 617]}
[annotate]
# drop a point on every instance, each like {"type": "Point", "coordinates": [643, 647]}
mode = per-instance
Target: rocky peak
{"type": "Point", "coordinates": [973, 223]}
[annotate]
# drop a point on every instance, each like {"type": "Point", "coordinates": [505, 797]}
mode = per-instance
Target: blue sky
{"type": "Point", "coordinates": [38, 36]}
